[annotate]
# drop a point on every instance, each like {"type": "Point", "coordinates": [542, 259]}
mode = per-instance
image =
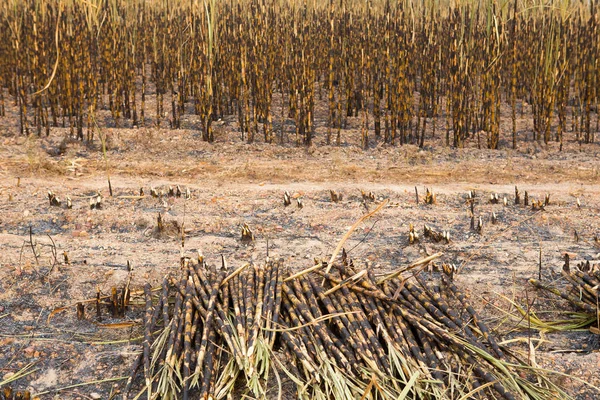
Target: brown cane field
{"type": "Point", "coordinates": [281, 199]}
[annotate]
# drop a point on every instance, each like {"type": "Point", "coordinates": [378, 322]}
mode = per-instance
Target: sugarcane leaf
{"type": "Point", "coordinates": [409, 385]}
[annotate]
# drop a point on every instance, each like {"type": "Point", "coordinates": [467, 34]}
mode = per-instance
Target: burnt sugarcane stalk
{"type": "Point", "coordinates": [397, 337]}
{"type": "Point", "coordinates": [258, 294]}
{"type": "Point", "coordinates": [340, 322]}
{"type": "Point", "coordinates": [197, 326]}
{"type": "Point", "coordinates": [364, 321]}
{"type": "Point", "coordinates": [386, 318]}
{"type": "Point", "coordinates": [169, 352]}
{"type": "Point", "coordinates": [372, 310]}
{"type": "Point", "coordinates": [430, 328]}
{"type": "Point", "coordinates": [198, 306]}
{"type": "Point", "coordinates": [188, 336]}
{"type": "Point", "coordinates": [422, 323]}
{"type": "Point", "coordinates": [208, 364]}
{"type": "Point", "coordinates": [418, 298]}
{"type": "Point", "coordinates": [291, 342]}
{"type": "Point", "coordinates": [269, 300]}
{"type": "Point", "coordinates": [585, 277]}
{"type": "Point", "coordinates": [249, 300]}
{"type": "Point", "coordinates": [221, 357]}
{"type": "Point", "coordinates": [293, 361]}
{"type": "Point", "coordinates": [278, 295]}
{"type": "Point", "coordinates": [356, 323]}
{"type": "Point", "coordinates": [349, 302]}
{"type": "Point", "coordinates": [413, 346]}
{"type": "Point", "coordinates": [177, 354]}
{"type": "Point", "coordinates": [147, 335]}
{"type": "Point", "coordinates": [305, 316]}
{"type": "Point", "coordinates": [242, 289]}
{"type": "Point", "coordinates": [202, 289]}
{"type": "Point", "coordinates": [596, 273]}
{"type": "Point", "coordinates": [587, 293]}
{"type": "Point", "coordinates": [202, 283]}
{"type": "Point", "coordinates": [234, 288]}
{"type": "Point", "coordinates": [227, 332]}
{"type": "Point", "coordinates": [421, 299]}
{"type": "Point", "coordinates": [485, 375]}
{"type": "Point", "coordinates": [314, 349]}
{"type": "Point", "coordinates": [152, 322]}
{"type": "Point", "coordinates": [208, 326]}
{"type": "Point", "coordinates": [329, 340]}
{"type": "Point", "coordinates": [482, 327]}
{"type": "Point", "coordinates": [437, 333]}
{"type": "Point", "coordinates": [164, 295]}
{"type": "Point", "coordinates": [309, 296]}
{"type": "Point", "coordinates": [406, 300]}
{"type": "Point", "coordinates": [444, 306]}
{"type": "Point", "coordinates": [433, 362]}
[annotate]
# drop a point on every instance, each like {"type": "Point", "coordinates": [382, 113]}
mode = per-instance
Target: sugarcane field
{"type": "Point", "coordinates": [287, 199]}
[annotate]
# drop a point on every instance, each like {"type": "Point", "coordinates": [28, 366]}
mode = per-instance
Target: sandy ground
{"type": "Point", "coordinates": [234, 183]}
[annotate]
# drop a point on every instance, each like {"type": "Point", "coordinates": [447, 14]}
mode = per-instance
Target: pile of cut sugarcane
{"type": "Point", "coordinates": [329, 332]}
{"type": "Point", "coordinates": [584, 279]}
{"type": "Point", "coordinates": [216, 330]}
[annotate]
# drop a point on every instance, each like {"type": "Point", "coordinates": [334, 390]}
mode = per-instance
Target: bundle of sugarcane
{"type": "Point", "coordinates": [584, 281]}
{"type": "Point", "coordinates": [252, 312]}
{"type": "Point", "coordinates": [210, 333]}
{"type": "Point", "coordinates": [350, 336]}
{"type": "Point", "coordinates": [208, 329]}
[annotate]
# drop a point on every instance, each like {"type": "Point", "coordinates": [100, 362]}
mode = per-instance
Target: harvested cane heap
{"type": "Point", "coordinates": [340, 334]}
{"type": "Point", "coordinates": [582, 290]}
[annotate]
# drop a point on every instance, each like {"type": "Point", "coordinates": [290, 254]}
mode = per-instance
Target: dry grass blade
{"type": "Point", "coordinates": [351, 230]}
{"type": "Point", "coordinates": [347, 281]}
{"type": "Point", "coordinates": [416, 264]}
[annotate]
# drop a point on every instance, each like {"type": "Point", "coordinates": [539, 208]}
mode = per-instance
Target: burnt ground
{"type": "Point", "coordinates": [234, 183]}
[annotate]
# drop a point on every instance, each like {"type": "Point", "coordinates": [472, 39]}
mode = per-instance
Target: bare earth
{"type": "Point", "coordinates": [234, 183]}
